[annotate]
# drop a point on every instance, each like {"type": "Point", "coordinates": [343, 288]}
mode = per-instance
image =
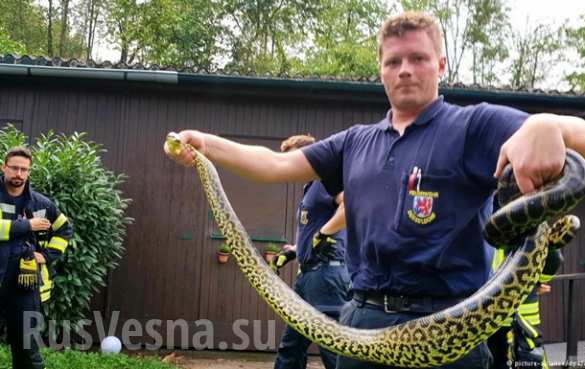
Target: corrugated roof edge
{"type": "Point", "coordinates": [72, 68]}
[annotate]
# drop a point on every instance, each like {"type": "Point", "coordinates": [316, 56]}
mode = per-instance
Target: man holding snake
{"type": "Point", "coordinates": [417, 185]}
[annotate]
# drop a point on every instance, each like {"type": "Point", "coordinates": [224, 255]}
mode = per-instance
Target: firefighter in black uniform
{"type": "Point", "coordinates": [33, 234]}
{"type": "Point", "coordinates": [519, 343]}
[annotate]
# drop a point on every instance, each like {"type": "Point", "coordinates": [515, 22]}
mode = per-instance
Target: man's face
{"type": "Point", "coordinates": [410, 69]}
{"type": "Point", "coordinates": [16, 171]}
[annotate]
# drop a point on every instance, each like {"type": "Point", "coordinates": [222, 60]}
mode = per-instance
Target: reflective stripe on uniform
{"type": "Point", "coordinates": [526, 309]}
{"type": "Point", "coordinates": [58, 243]}
{"type": "Point", "coordinates": [5, 229]}
{"type": "Point", "coordinates": [532, 319]}
{"type": "Point", "coordinates": [529, 327]}
{"type": "Point", "coordinates": [58, 223]}
{"type": "Point", "coordinates": [45, 296]}
{"type": "Point", "coordinates": [530, 312]}
{"type": "Point", "coordinates": [7, 208]}
{"type": "Point", "coordinates": [498, 259]}
{"type": "Point", "coordinates": [45, 289]}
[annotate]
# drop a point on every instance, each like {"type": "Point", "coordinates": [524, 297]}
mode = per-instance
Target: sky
{"type": "Point", "coordinates": [556, 11]}
{"type": "Point", "coordinates": [545, 10]}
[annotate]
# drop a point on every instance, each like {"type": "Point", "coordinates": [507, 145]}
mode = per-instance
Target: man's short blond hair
{"type": "Point", "coordinates": [410, 21]}
{"type": "Point", "coordinates": [296, 142]}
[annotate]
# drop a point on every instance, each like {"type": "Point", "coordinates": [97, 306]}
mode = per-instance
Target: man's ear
{"type": "Point", "coordinates": [442, 65]}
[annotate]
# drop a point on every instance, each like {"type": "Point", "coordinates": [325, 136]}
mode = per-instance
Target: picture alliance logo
{"type": "Point", "coordinates": [152, 334]}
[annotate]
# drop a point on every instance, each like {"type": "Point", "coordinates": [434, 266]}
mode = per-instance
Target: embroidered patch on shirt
{"type": "Point", "coordinates": [422, 206]}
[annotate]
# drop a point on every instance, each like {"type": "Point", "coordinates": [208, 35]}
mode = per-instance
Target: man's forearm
{"type": "Point", "coordinates": [572, 128]}
{"type": "Point", "coordinates": [336, 223]}
{"type": "Point", "coordinates": [258, 163]}
{"type": "Point", "coordinates": [573, 131]}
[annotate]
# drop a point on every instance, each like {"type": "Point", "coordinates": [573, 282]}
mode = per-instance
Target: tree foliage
{"type": "Point", "coordinates": [344, 39]}
{"type": "Point", "coordinates": [46, 29]}
{"type": "Point", "coordinates": [261, 35]}
{"type": "Point", "coordinates": [90, 23]}
{"type": "Point", "coordinates": [307, 37]}
{"type": "Point", "coordinates": [472, 29]}
{"type": "Point", "coordinates": [576, 39]}
{"type": "Point", "coordinates": [535, 50]}
{"type": "Point", "coordinates": [180, 33]}
{"type": "Point", "coordinates": [9, 46]}
{"type": "Point", "coordinates": [22, 22]}
{"type": "Point", "coordinates": [176, 33]}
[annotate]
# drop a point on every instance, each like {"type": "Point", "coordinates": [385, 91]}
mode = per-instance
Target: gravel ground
{"type": "Point", "coordinates": [256, 360]}
{"type": "Point", "coordinates": [228, 360]}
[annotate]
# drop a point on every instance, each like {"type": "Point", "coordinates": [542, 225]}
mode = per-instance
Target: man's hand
{"type": "Point", "coordinates": [543, 289]}
{"type": "Point", "coordinates": [287, 254]}
{"type": "Point", "coordinates": [40, 258]}
{"type": "Point", "coordinates": [39, 224]}
{"type": "Point", "coordinates": [194, 138]}
{"type": "Point", "coordinates": [536, 151]}
{"type": "Point", "coordinates": [324, 246]}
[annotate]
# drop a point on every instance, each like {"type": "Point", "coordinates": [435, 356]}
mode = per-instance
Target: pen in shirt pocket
{"type": "Point", "coordinates": [412, 178]}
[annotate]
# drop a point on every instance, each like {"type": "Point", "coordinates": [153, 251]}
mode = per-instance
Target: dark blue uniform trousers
{"type": "Point", "coordinates": [326, 287]}
{"type": "Point", "coordinates": [14, 301]}
{"type": "Point", "coordinates": [363, 315]}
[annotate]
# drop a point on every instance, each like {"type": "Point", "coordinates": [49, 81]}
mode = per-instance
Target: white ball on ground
{"type": "Point", "coordinates": [111, 345]}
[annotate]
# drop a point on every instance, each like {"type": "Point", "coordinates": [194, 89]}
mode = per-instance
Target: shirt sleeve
{"type": "Point", "coordinates": [490, 127]}
{"type": "Point", "coordinates": [326, 158]}
{"type": "Point", "coordinates": [60, 234]}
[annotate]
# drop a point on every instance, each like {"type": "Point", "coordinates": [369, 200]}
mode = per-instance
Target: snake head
{"type": "Point", "coordinates": [173, 143]}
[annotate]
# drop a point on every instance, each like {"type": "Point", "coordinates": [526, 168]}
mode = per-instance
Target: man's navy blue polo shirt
{"type": "Point", "coordinates": [416, 205]}
{"type": "Point", "coordinates": [314, 210]}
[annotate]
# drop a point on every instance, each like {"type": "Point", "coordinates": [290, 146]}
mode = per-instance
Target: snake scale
{"type": "Point", "coordinates": [439, 338]}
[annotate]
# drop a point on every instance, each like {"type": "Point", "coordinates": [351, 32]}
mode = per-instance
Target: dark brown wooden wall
{"type": "Point", "coordinates": [555, 304]}
{"type": "Point", "coordinates": [169, 271]}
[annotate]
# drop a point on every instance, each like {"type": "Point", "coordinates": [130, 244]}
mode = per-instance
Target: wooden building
{"type": "Point", "coordinates": [169, 271]}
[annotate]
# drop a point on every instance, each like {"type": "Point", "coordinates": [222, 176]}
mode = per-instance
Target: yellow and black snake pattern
{"type": "Point", "coordinates": [433, 340]}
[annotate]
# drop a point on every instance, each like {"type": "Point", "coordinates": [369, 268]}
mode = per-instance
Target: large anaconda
{"type": "Point", "coordinates": [433, 340]}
